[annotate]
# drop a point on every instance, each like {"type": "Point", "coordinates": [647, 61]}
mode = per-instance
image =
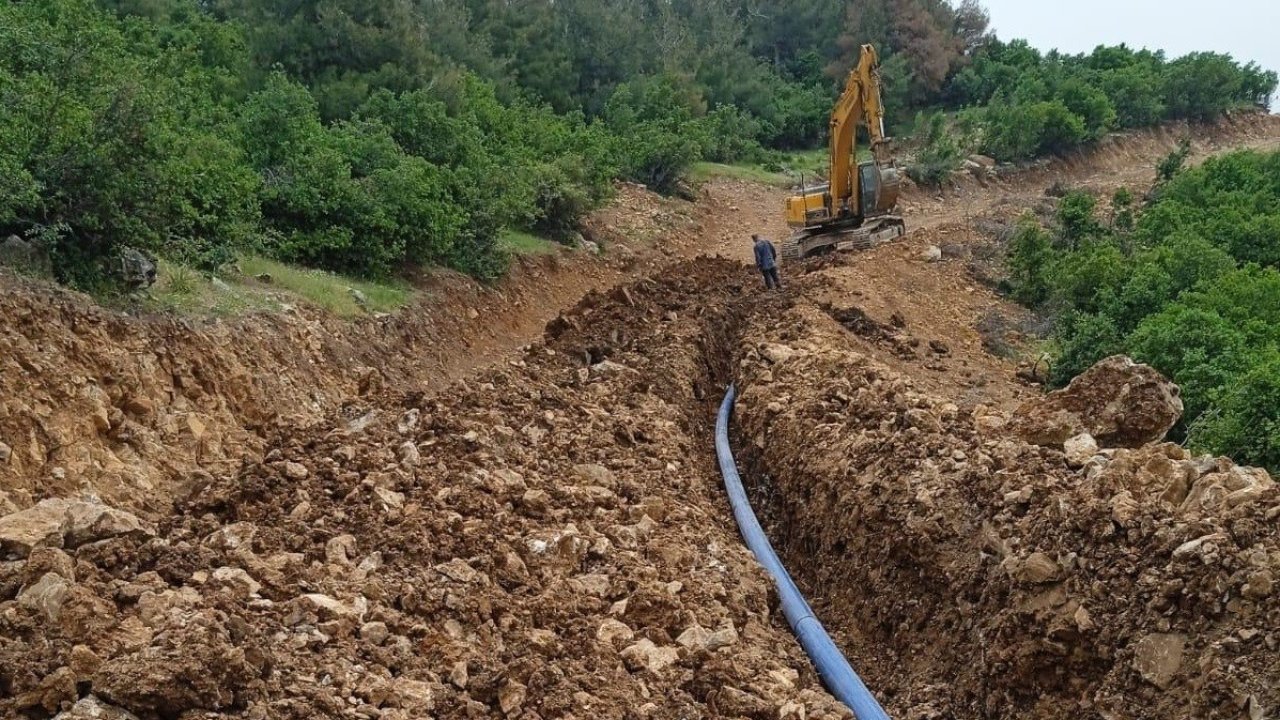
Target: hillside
{"type": "Point", "coordinates": [515, 511]}
{"type": "Point", "coordinates": [377, 138]}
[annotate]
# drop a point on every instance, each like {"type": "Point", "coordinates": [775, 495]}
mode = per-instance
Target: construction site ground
{"type": "Point", "coordinates": [503, 501]}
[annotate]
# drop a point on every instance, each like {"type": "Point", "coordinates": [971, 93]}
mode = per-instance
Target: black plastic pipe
{"type": "Point", "coordinates": [833, 668]}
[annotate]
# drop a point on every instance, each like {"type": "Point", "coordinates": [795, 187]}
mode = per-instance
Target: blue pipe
{"type": "Point", "coordinates": [833, 668]}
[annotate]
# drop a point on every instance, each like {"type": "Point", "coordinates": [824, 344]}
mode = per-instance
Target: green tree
{"type": "Point", "coordinates": [1091, 105]}
{"type": "Point", "coordinates": [1031, 258]}
{"type": "Point", "coordinates": [1203, 85]}
{"type": "Point", "coordinates": [1077, 218]}
{"type": "Point", "coordinates": [1244, 423]}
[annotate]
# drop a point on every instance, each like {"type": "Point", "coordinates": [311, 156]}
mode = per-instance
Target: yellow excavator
{"type": "Point", "coordinates": [857, 207]}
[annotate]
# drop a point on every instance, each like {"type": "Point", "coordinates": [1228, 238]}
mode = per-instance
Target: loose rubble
{"type": "Point", "coordinates": [1058, 562]}
{"type": "Point", "coordinates": [557, 547]}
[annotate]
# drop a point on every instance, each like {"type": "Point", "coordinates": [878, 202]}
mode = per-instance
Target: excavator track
{"type": "Point", "coordinates": [808, 243]}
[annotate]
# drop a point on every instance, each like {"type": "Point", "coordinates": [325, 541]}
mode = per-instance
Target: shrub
{"type": "Point", "coordinates": [1244, 423]}
{"type": "Point", "coordinates": [1030, 258]}
{"type": "Point", "coordinates": [1076, 217]}
{"type": "Point", "coordinates": [939, 154]}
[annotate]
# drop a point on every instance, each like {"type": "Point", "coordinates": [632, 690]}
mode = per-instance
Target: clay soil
{"type": "Point", "coordinates": [504, 502]}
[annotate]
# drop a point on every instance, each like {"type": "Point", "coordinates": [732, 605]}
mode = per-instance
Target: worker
{"type": "Point", "coordinates": [767, 261]}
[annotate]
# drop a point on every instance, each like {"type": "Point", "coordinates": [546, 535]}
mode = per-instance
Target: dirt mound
{"type": "Point", "coordinates": [97, 401]}
{"type": "Point", "coordinates": [548, 539]}
{"type": "Point", "coordinates": [970, 574]}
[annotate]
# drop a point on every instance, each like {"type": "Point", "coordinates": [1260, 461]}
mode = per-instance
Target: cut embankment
{"type": "Point", "coordinates": [969, 573]}
{"type": "Point", "coordinates": [547, 539]}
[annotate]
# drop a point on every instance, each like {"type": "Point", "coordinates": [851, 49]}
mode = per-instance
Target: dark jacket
{"type": "Point", "coordinates": [766, 255]}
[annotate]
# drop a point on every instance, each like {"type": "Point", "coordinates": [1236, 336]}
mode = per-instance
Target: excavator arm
{"type": "Point", "coordinates": [860, 100]}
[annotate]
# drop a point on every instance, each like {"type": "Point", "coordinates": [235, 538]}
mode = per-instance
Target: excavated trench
{"type": "Point", "coordinates": [968, 574]}
{"type": "Point", "coordinates": [551, 539]}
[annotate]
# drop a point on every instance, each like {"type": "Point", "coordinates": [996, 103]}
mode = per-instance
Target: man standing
{"type": "Point", "coordinates": [767, 261]}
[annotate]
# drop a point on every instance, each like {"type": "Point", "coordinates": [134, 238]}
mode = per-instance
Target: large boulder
{"type": "Point", "coordinates": [1121, 403]}
{"type": "Point", "coordinates": [57, 523]}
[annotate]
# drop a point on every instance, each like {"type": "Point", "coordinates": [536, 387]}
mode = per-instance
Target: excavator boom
{"type": "Point", "coordinates": [855, 208]}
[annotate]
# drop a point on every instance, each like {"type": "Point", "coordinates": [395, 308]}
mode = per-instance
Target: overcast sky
{"type": "Point", "coordinates": [1247, 29]}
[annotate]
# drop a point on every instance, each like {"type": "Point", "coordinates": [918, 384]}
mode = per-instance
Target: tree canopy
{"type": "Point", "coordinates": [368, 135]}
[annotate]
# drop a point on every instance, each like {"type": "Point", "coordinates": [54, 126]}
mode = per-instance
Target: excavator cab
{"type": "Point", "coordinates": [879, 188]}
{"type": "Point", "coordinates": [856, 208]}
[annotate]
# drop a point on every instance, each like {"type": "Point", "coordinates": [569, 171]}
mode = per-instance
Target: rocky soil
{"type": "Point", "coordinates": [547, 539]}
{"type": "Point", "coordinates": [1053, 562]}
{"type": "Point", "coordinates": [479, 507]}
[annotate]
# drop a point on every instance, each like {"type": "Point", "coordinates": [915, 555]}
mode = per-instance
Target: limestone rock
{"type": "Point", "coordinates": [1122, 404]}
{"type": "Point", "coordinates": [1036, 569]}
{"type": "Point", "coordinates": [408, 421]}
{"type": "Point", "coordinates": [409, 454]}
{"type": "Point", "coordinates": [1158, 656]}
{"type": "Point", "coordinates": [46, 596]}
{"type": "Point", "coordinates": [1080, 449]}
{"type": "Point", "coordinates": [511, 696]}
{"type": "Point", "coordinates": [39, 526]}
{"type": "Point", "coordinates": [459, 676]}
{"type": "Point", "coordinates": [91, 708]}
{"type": "Point", "coordinates": [374, 633]}
{"type": "Point", "coordinates": [777, 354]}
{"type": "Point", "coordinates": [413, 695]}
{"type": "Point", "coordinates": [724, 637]}
{"type": "Point", "coordinates": [240, 582]}
{"type": "Point", "coordinates": [613, 632]}
{"type": "Point", "coordinates": [645, 655]}
{"type": "Point", "coordinates": [56, 522]}
{"type": "Point", "coordinates": [316, 607]}
{"type": "Point", "coordinates": [1232, 488]}
{"type": "Point", "coordinates": [88, 522]}
{"type": "Point", "coordinates": [233, 536]}
{"type": "Point", "coordinates": [695, 637]}
{"type": "Point", "coordinates": [597, 475]}
{"type": "Point", "coordinates": [340, 550]}
{"type": "Point", "coordinates": [385, 499]}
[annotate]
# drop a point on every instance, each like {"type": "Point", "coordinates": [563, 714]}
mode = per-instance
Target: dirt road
{"type": "Point", "coordinates": [440, 514]}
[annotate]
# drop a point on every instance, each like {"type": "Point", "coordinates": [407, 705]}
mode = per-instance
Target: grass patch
{"type": "Point", "coordinates": [327, 290]}
{"type": "Point", "coordinates": [785, 172]}
{"type": "Point", "coordinates": [186, 291]}
{"type": "Point", "coordinates": [183, 290]}
{"type": "Point", "coordinates": [522, 243]}
{"type": "Point", "coordinates": [704, 171]}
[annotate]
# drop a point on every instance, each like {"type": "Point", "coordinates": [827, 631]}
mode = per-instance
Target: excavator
{"type": "Point", "coordinates": [857, 207]}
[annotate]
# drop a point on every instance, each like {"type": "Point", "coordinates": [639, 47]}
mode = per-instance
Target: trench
{"type": "Point", "coordinates": [901, 614]}
{"type": "Point", "coordinates": [721, 337]}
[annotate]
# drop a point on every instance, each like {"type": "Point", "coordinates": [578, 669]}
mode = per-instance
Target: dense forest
{"type": "Point", "coordinates": [1188, 282]}
{"type": "Point", "coordinates": [366, 136]}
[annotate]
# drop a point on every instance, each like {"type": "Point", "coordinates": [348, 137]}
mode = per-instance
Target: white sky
{"type": "Point", "coordinates": [1247, 29]}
